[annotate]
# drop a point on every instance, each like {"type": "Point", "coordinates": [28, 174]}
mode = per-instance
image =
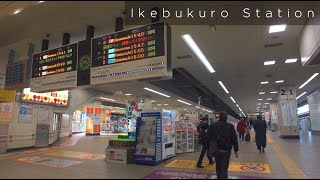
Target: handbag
{"type": "Point", "coordinates": [213, 149]}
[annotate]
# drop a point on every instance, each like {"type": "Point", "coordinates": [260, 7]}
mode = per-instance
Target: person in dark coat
{"type": "Point", "coordinates": [260, 127]}
{"type": "Point", "coordinates": [202, 131]}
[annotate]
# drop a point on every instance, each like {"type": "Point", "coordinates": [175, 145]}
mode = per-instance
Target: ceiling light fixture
{"type": "Point", "coordinates": [151, 90]}
{"type": "Point", "coordinates": [266, 103]}
{"type": "Point", "coordinates": [273, 92]}
{"type": "Point", "coordinates": [154, 108]}
{"type": "Point", "coordinates": [159, 104]}
{"type": "Point", "coordinates": [194, 47]}
{"type": "Point", "coordinates": [107, 99]}
{"type": "Point", "coordinates": [17, 11]}
{"type": "Point", "coordinates": [185, 109]}
{"type": "Point", "coordinates": [128, 94]}
{"type": "Point", "coordinates": [184, 102]}
{"type": "Point", "coordinates": [312, 77]}
{"type": "Point", "coordinates": [40, 2]}
{"type": "Point", "coordinates": [301, 95]}
{"type": "Point", "coordinates": [197, 107]}
{"type": "Point", "coordinates": [260, 99]}
{"type": "Point", "coordinates": [269, 99]}
{"type": "Point", "coordinates": [291, 61]}
{"type": "Point", "coordinates": [277, 28]}
{"type": "Point", "coordinates": [280, 81]}
{"type": "Point", "coordinates": [165, 104]}
{"type": "Point", "coordinates": [237, 105]}
{"type": "Point", "coordinates": [262, 92]}
{"type": "Point", "coordinates": [224, 88]}
{"type": "Point", "coordinates": [264, 82]}
{"type": "Point", "coordinates": [259, 104]}
{"type": "Point", "coordinates": [232, 99]}
{"type": "Point", "coordinates": [266, 63]}
{"type": "Point", "coordinates": [152, 101]}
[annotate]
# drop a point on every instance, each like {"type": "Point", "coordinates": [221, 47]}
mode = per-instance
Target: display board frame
{"type": "Point", "coordinates": [134, 71]}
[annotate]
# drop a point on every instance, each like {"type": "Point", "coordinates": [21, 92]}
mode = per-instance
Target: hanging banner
{"type": "Point", "coordinates": [132, 108]}
{"type": "Point", "coordinates": [25, 114]}
{"type": "Point", "coordinates": [7, 95]}
{"type": "Point", "coordinates": [43, 114]}
{"type": "Point", "coordinates": [6, 112]}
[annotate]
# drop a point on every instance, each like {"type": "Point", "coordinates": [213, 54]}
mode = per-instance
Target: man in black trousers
{"type": "Point", "coordinates": [224, 134]}
{"type": "Point", "coordinates": [202, 133]}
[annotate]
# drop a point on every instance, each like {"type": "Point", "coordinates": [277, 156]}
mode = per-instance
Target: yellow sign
{"type": "Point", "coordinates": [74, 154]}
{"type": "Point", "coordinates": [234, 166]}
{"type": "Point", "coordinates": [7, 95]}
{"type": "Point", "coordinates": [6, 112]}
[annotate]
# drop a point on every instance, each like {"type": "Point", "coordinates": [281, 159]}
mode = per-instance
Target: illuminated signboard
{"type": "Point", "coordinates": [55, 69]}
{"type": "Point", "coordinates": [58, 98]}
{"type": "Point", "coordinates": [139, 53]}
{"type": "Point", "coordinates": [16, 75]}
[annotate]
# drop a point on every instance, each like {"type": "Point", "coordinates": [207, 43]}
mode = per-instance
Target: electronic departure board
{"type": "Point", "coordinates": [139, 53]}
{"type": "Point", "coordinates": [16, 75]}
{"type": "Point", "coordinates": [55, 69]}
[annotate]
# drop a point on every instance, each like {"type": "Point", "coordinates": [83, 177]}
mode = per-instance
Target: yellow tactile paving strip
{"type": "Point", "coordinates": [292, 169]}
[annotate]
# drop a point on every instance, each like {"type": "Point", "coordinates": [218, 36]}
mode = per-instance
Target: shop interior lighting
{"type": "Point", "coordinates": [194, 47]}
{"type": "Point", "coordinates": [291, 61]}
{"type": "Point", "coordinates": [184, 102]}
{"type": "Point", "coordinates": [273, 92]}
{"type": "Point", "coordinates": [266, 63]}
{"type": "Point", "coordinates": [197, 107]}
{"type": "Point", "coordinates": [280, 81]}
{"type": "Point", "coordinates": [264, 82]}
{"type": "Point", "coordinates": [152, 101]}
{"type": "Point", "coordinates": [301, 95]}
{"type": "Point", "coordinates": [224, 88]}
{"type": "Point", "coordinates": [107, 99]}
{"type": "Point", "coordinates": [128, 94]}
{"type": "Point", "coordinates": [151, 90]}
{"type": "Point", "coordinates": [277, 28]}
{"type": "Point", "coordinates": [312, 77]}
{"type": "Point", "coordinates": [232, 99]}
{"type": "Point", "coordinates": [262, 92]}
{"type": "Point", "coordinates": [185, 109]}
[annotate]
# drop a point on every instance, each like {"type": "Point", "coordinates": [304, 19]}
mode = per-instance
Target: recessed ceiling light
{"type": "Point", "coordinates": [17, 11]}
{"type": "Point", "coordinates": [266, 103]}
{"type": "Point", "coordinates": [154, 91]}
{"type": "Point", "coordinates": [237, 105]}
{"type": "Point", "coordinates": [312, 77]}
{"type": "Point", "coordinates": [259, 104]}
{"type": "Point", "coordinates": [262, 92]}
{"type": "Point", "coordinates": [223, 87]}
{"type": "Point", "coordinates": [185, 109]}
{"type": "Point", "coordinates": [260, 99]}
{"type": "Point", "coordinates": [184, 102]}
{"type": "Point", "coordinates": [197, 107]}
{"type": "Point", "coordinates": [264, 82]}
{"type": "Point", "coordinates": [40, 2]}
{"type": "Point", "coordinates": [273, 92]}
{"type": "Point", "coordinates": [165, 104]}
{"type": "Point", "coordinates": [266, 63]}
{"type": "Point", "coordinates": [264, 106]}
{"type": "Point", "coordinates": [301, 95]}
{"type": "Point", "coordinates": [280, 81]}
{"type": "Point", "coordinates": [159, 104]}
{"type": "Point", "coordinates": [154, 108]}
{"type": "Point", "coordinates": [291, 61]}
{"type": "Point", "coordinates": [128, 94]}
{"type": "Point", "coordinates": [152, 101]}
{"type": "Point", "coordinates": [269, 99]}
{"type": "Point", "coordinates": [107, 99]}
{"type": "Point", "coordinates": [194, 47]}
{"type": "Point", "coordinates": [277, 28]}
{"type": "Point", "coordinates": [232, 99]}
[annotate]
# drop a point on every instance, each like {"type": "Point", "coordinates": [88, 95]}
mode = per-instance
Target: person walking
{"type": "Point", "coordinates": [260, 127]}
{"type": "Point", "coordinates": [202, 131]}
{"type": "Point", "coordinates": [241, 128]}
{"type": "Point", "coordinates": [225, 136]}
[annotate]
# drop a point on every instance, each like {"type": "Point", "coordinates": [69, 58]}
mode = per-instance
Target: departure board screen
{"type": "Point", "coordinates": [55, 61]}
{"type": "Point", "coordinates": [129, 45]}
{"type": "Point", "coordinates": [141, 53]}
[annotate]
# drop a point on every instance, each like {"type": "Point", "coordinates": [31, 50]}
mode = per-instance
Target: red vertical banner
{"type": "Point", "coordinates": [97, 120]}
{"type": "Point", "coordinates": [90, 120]}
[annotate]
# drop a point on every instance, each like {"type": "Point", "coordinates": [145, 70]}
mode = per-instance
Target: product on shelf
{"type": "Point", "coordinates": [185, 136]}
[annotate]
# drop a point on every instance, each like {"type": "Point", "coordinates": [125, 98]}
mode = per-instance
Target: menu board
{"type": "Point", "coordinates": [55, 69]}
{"type": "Point", "coordinates": [16, 75]}
{"type": "Point", "coordinates": [139, 53]}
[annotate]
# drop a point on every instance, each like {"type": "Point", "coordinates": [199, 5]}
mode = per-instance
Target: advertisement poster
{"type": "Point", "coordinates": [25, 114]}
{"type": "Point", "coordinates": [193, 116]}
{"type": "Point", "coordinates": [132, 109]}
{"type": "Point", "coordinates": [2, 80]}
{"type": "Point", "coordinates": [89, 123]}
{"type": "Point", "coordinates": [289, 113]}
{"type": "Point", "coordinates": [7, 95]}
{"type": "Point", "coordinates": [43, 114]}
{"type": "Point", "coordinates": [274, 113]}
{"type": "Point", "coordinates": [6, 112]}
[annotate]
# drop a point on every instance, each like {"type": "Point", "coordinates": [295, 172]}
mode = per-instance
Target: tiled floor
{"type": "Point", "coordinates": [304, 153]}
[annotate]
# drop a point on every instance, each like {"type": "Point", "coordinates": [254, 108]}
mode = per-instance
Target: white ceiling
{"type": "Point", "coordinates": [237, 53]}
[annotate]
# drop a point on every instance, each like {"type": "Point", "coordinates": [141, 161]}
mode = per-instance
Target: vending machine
{"type": "Point", "coordinates": [168, 134]}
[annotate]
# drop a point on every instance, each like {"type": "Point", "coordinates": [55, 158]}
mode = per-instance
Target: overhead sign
{"type": "Point", "coordinates": [16, 75]}
{"type": "Point", "coordinates": [57, 98]}
{"type": "Point", "coordinates": [7, 95]}
{"type": "Point", "coordinates": [55, 69]}
{"type": "Point", "coordinates": [139, 53]}
{"type": "Point", "coordinates": [287, 92]}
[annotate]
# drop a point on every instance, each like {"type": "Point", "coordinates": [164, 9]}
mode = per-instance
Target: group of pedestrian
{"type": "Point", "coordinates": [218, 139]}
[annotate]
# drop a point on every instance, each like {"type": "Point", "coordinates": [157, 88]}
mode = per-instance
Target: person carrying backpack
{"type": "Point", "coordinates": [223, 135]}
{"type": "Point", "coordinates": [202, 131]}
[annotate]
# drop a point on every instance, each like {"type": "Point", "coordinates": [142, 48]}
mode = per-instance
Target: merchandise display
{"type": "Point", "coordinates": [149, 139]}
{"type": "Point", "coordinates": [185, 136]}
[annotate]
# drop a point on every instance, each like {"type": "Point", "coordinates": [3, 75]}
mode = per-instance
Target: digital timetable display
{"type": "Point", "coordinates": [55, 69]}
{"type": "Point", "coordinates": [134, 54]}
{"type": "Point", "coordinates": [129, 45]}
{"type": "Point", "coordinates": [55, 61]}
